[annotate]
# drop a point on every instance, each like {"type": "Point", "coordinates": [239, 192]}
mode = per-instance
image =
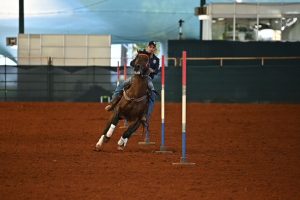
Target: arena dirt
{"type": "Point", "coordinates": [241, 151]}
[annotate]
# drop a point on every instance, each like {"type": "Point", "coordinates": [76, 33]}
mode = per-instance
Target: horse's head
{"type": "Point", "coordinates": [141, 64]}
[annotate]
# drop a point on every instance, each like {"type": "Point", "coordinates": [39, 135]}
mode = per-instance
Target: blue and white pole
{"type": "Point", "coordinates": [162, 146]}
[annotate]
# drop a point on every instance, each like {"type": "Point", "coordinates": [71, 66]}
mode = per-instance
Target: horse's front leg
{"type": "Point", "coordinates": [126, 135]}
{"type": "Point", "coordinates": [108, 131]}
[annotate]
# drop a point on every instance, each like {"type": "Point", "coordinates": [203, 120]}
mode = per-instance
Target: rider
{"type": "Point", "coordinates": [153, 67]}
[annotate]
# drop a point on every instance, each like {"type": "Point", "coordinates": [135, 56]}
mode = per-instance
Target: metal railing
{"type": "Point", "coordinates": [55, 83]}
{"type": "Point", "coordinates": [222, 59]}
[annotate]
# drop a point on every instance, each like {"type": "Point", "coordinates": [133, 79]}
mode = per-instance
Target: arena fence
{"type": "Point", "coordinates": [48, 83]}
{"type": "Point", "coordinates": [234, 81]}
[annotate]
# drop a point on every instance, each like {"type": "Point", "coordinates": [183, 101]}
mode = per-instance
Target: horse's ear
{"type": "Point", "coordinates": [140, 51]}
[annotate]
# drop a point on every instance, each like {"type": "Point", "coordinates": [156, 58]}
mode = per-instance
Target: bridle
{"type": "Point", "coordinates": [144, 96]}
{"type": "Point", "coordinates": [148, 59]}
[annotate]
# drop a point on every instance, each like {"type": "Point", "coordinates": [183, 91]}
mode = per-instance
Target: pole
{"type": "Point", "coordinates": [180, 28]}
{"type": "Point", "coordinates": [202, 3]}
{"type": "Point", "coordinates": [125, 71]}
{"type": "Point", "coordinates": [118, 72]}
{"type": "Point", "coordinates": [5, 88]}
{"type": "Point", "coordinates": [163, 148]}
{"type": "Point", "coordinates": [125, 77]}
{"type": "Point", "coordinates": [183, 160]}
{"type": "Point", "coordinates": [21, 16]}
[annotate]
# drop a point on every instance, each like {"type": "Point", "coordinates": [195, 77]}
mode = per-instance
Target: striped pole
{"type": "Point", "coordinates": [162, 146]}
{"type": "Point", "coordinates": [125, 71]}
{"type": "Point", "coordinates": [125, 77]}
{"type": "Point", "coordinates": [183, 160]}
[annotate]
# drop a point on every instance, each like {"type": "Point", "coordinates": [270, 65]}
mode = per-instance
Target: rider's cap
{"type": "Point", "coordinates": [152, 43]}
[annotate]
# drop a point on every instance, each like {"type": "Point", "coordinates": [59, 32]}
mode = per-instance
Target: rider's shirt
{"type": "Point", "coordinates": [154, 64]}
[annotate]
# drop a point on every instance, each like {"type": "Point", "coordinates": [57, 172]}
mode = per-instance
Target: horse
{"type": "Point", "coordinates": [132, 106]}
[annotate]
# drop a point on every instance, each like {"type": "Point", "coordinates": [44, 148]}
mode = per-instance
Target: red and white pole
{"type": "Point", "coordinates": [125, 71]}
{"type": "Point", "coordinates": [118, 73]}
{"type": "Point", "coordinates": [183, 159]}
{"type": "Point", "coordinates": [162, 146]}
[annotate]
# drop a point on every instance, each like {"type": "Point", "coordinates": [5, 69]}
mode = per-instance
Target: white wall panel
{"type": "Point", "coordinates": [65, 50]}
{"type": "Point", "coordinates": [99, 41]}
{"type": "Point", "coordinates": [23, 42]}
{"type": "Point", "coordinates": [53, 40]}
{"type": "Point", "coordinates": [76, 40]}
{"type": "Point", "coordinates": [99, 52]}
{"type": "Point", "coordinates": [76, 52]}
{"type": "Point", "coordinates": [52, 52]}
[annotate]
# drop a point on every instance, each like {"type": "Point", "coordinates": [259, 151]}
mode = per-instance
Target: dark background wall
{"type": "Point", "coordinates": [197, 48]}
{"type": "Point", "coordinates": [251, 83]}
{"type": "Point", "coordinates": [238, 80]}
{"type": "Point", "coordinates": [235, 81]}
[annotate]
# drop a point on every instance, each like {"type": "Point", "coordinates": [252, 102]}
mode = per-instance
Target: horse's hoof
{"type": "Point", "coordinates": [96, 149]}
{"type": "Point", "coordinates": [100, 142]}
{"type": "Point", "coordinates": [121, 148]}
{"type": "Point", "coordinates": [122, 143]}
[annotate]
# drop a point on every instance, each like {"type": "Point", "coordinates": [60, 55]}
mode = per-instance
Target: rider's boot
{"type": "Point", "coordinates": [113, 103]}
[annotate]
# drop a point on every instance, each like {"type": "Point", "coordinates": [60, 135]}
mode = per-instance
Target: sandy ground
{"type": "Point", "coordinates": [241, 151]}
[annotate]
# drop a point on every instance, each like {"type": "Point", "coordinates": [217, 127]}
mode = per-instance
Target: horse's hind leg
{"type": "Point", "coordinates": [108, 131]}
{"type": "Point", "coordinates": [126, 135]}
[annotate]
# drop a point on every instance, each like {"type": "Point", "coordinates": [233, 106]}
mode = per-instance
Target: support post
{"type": "Point", "coordinates": [21, 16]}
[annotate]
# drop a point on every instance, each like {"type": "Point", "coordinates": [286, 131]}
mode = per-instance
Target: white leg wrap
{"type": "Point", "coordinates": [110, 131]}
{"type": "Point", "coordinates": [122, 141]}
{"type": "Point", "coordinates": [100, 142]}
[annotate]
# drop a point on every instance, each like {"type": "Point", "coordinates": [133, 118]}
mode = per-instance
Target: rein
{"type": "Point", "coordinates": [133, 99]}
{"type": "Point", "coordinates": [140, 98]}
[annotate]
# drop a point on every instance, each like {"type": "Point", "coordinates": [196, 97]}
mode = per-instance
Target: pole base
{"type": "Point", "coordinates": [125, 125]}
{"type": "Point", "coordinates": [163, 149]}
{"type": "Point", "coordinates": [146, 143]}
{"type": "Point", "coordinates": [183, 161]}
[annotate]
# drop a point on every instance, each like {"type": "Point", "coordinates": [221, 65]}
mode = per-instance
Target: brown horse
{"type": "Point", "coordinates": [132, 106]}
